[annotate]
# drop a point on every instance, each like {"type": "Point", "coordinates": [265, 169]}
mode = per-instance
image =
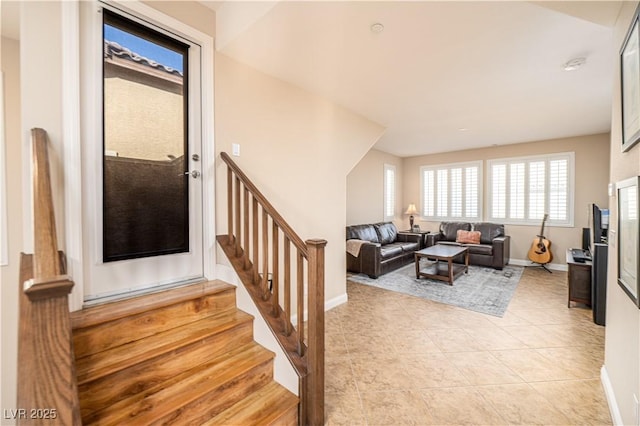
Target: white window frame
{"type": "Point", "coordinates": [446, 168]}
{"type": "Point", "coordinates": [546, 158]}
{"type": "Point", "coordinates": [389, 193]}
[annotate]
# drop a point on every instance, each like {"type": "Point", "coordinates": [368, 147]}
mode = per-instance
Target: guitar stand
{"type": "Point", "coordinates": [542, 265]}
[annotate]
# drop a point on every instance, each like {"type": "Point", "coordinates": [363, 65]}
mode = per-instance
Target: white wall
{"type": "Point", "coordinates": [591, 176]}
{"type": "Point", "coordinates": [297, 148]}
{"type": "Point", "coordinates": [622, 342]}
{"type": "Point", "coordinates": [365, 190]}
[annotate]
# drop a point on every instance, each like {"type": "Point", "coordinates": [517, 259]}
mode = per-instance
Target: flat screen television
{"type": "Point", "coordinates": [598, 224]}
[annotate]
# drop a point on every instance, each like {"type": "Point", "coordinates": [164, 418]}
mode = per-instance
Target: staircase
{"type": "Point", "coordinates": [184, 356]}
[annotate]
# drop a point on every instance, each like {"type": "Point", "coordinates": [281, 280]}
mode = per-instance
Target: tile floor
{"type": "Point", "coordinates": [394, 359]}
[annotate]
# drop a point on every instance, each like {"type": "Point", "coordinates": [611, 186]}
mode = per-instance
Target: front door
{"type": "Point", "coordinates": [147, 219]}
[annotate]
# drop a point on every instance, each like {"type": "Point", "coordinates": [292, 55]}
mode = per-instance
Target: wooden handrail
{"type": "Point", "coordinates": [47, 388]}
{"type": "Point", "coordinates": [295, 239]}
{"type": "Point", "coordinates": [254, 250]}
{"type": "Point", "coordinates": [45, 237]}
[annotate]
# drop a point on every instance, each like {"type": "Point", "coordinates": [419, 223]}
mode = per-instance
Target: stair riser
{"type": "Point", "coordinates": [289, 418]}
{"type": "Point", "coordinates": [96, 393]}
{"type": "Point", "coordinates": [108, 362]}
{"type": "Point", "coordinates": [115, 333]}
{"type": "Point", "coordinates": [153, 410]}
{"type": "Point", "coordinates": [221, 398]}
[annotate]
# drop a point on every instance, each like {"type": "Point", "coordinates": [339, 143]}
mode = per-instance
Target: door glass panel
{"type": "Point", "coordinates": [145, 188]}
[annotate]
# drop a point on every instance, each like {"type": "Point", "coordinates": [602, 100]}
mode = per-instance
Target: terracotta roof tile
{"type": "Point", "coordinates": [113, 49]}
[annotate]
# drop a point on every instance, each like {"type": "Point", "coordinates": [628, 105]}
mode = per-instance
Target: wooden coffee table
{"type": "Point", "coordinates": [443, 271]}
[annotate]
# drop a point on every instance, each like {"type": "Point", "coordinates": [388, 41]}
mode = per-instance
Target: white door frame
{"type": "Point", "coordinates": [73, 37]}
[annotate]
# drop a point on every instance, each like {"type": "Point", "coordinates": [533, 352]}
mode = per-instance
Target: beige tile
{"type": "Point", "coordinates": [379, 372]}
{"type": "Point", "coordinates": [395, 408]}
{"type": "Point", "coordinates": [581, 362]}
{"type": "Point", "coordinates": [415, 361]}
{"type": "Point", "coordinates": [521, 404]}
{"type": "Point", "coordinates": [368, 341]}
{"type": "Point", "coordinates": [509, 318]}
{"type": "Point", "coordinates": [482, 368]}
{"type": "Point", "coordinates": [412, 341]}
{"type": "Point", "coordinates": [534, 337]}
{"type": "Point", "coordinates": [335, 345]}
{"type": "Point", "coordinates": [460, 406]}
{"type": "Point", "coordinates": [495, 338]}
{"type": "Point", "coordinates": [462, 318]}
{"type": "Point", "coordinates": [532, 366]}
{"type": "Point", "coordinates": [553, 315]}
{"type": "Point", "coordinates": [453, 340]}
{"type": "Point", "coordinates": [431, 370]}
{"type": "Point", "coordinates": [576, 334]}
{"type": "Point", "coordinates": [583, 401]}
{"type": "Point", "coordinates": [339, 376]}
{"type": "Point", "coordinates": [343, 409]}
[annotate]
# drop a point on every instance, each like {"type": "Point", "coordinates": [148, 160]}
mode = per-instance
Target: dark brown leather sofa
{"type": "Point", "coordinates": [380, 248]}
{"type": "Point", "coordinates": [494, 246]}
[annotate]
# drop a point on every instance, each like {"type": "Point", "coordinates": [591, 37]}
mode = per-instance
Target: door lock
{"type": "Point", "coordinates": [194, 173]}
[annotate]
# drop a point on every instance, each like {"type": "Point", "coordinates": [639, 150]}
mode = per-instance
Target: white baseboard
{"type": "Point", "coordinates": [336, 301]}
{"type": "Point", "coordinates": [616, 417]}
{"type": "Point", "coordinates": [552, 266]}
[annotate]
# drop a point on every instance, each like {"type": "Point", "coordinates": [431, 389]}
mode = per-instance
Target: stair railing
{"type": "Point", "coordinates": [47, 388]}
{"type": "Point", "coordinates": [252, 245]}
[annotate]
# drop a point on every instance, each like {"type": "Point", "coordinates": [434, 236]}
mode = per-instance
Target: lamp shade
{"type": "Point", "coordinates": [411, 209]}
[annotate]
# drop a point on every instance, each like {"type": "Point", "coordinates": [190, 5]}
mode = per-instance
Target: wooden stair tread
{"type": "Point", "coordinates": [263, 407]}
{"type": "Point", "coordinates": [100, 364]}
{"type": "Point", "coordinates": [161, 401]}
{"type": "Point", "coordinates": [115, 310]}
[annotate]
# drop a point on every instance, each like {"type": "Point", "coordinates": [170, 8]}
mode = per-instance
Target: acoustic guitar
{"type": "Point", "coordinates": [539, 251]}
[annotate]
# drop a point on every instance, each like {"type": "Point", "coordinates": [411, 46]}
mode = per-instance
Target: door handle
{"type": "Point", "coordinates": [194, 173]}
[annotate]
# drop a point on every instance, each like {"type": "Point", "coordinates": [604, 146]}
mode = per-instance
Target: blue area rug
{"type": "Point", "coordinates": [484, 290]}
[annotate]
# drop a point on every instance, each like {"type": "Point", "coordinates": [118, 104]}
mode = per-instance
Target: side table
{"type": "Point", "coordinates": [423, 234]}
{"type": "Point", "coordinates": [579, 277]}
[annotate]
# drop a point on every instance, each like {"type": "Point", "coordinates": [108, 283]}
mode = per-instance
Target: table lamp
{"type": "Point", "coordinates": [411, 210]}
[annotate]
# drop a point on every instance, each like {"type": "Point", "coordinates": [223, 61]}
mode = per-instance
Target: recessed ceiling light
{"type": "Point", "coordinates": [574, 64]}
{"type": "Point", "coordinates": [463, 129]}
{"type": "Point", "coordinates": [377, 28]}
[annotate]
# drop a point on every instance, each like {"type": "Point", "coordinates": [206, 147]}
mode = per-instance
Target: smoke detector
{"type": "Point", "coordinates": [574, 64]}
{"type": "Point", "coordinates": [377, 28]}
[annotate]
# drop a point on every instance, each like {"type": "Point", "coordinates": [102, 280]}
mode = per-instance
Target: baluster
{"type": "Point", "coordinates": [300, 299]}
{"type": "Point", "coordinates": [256, 277]}
{"type": "Point", "coordinates": [230, 205]}
{"type": "Point", "coordinates": [265, 254]}
{"type": "Point", "coordinates": [247, 261]}
{"type": "Point", "coordinates": [275, 279]}
{"type": "Point", "coordinates": [238, 224]}
{"type": "Point", "coordinates": [287, 285]}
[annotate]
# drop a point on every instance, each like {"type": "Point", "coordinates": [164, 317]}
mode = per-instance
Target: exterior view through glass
{"type": "Point", "coordinates": [145, 122]}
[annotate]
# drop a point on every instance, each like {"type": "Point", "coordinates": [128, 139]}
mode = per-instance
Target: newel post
{"type": "Point", "coordinates": [314, 384]}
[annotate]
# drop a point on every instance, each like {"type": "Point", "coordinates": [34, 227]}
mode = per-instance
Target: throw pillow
{"type": "Point", "coordinates": [468, 237]}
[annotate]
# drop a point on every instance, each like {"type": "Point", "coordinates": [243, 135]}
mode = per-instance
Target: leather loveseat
{"type": "Point", "coordinates": [492, 249]}
{"type": "Point", "coordinates": [375, 249]}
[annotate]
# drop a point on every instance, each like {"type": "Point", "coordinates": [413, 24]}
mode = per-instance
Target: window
{"type": "Point", "coordinates": [524, 189]}
{"type": "Point", "coordinates": [389, 192]}
{"type": "Point", "coordinates": [146, 133]}
{"type": "Point", "coordinates": [452, 191]}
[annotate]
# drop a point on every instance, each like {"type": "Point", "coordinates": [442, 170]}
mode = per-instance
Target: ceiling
{"type": "Point", "coordinates": [442, 76]}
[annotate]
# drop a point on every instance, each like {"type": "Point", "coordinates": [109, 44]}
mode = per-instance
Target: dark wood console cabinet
{"type": "Point", "coordinates": [579, 281]}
